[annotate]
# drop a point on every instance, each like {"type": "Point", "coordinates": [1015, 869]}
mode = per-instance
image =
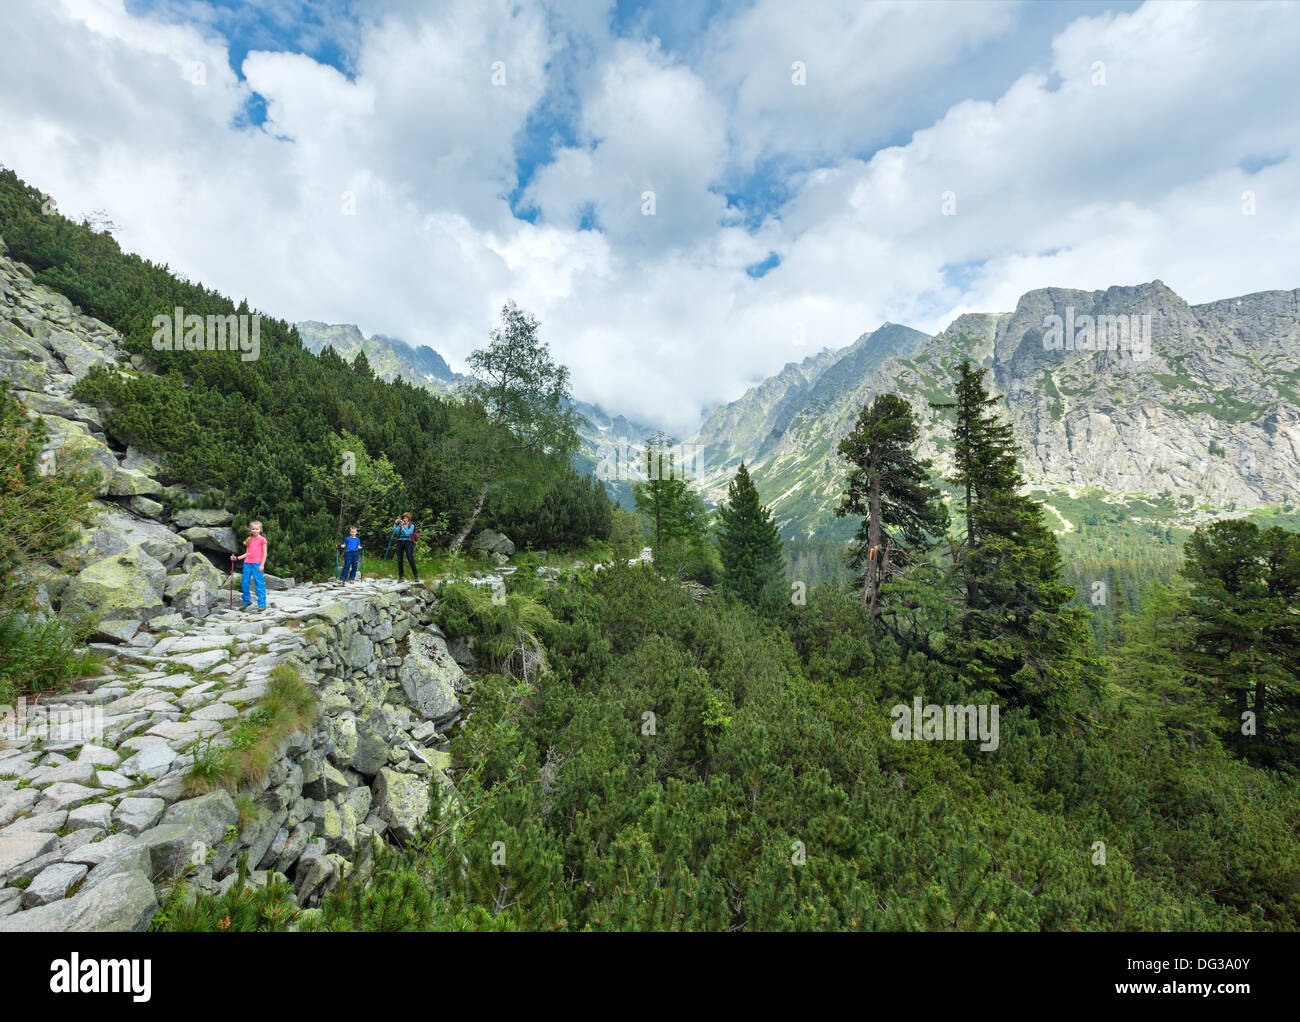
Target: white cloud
{"type": "Point", "coordinates": [860, 63]}
{"type": "Point", "coordinates": [1058, 181]}
{"type": "Point", "coordinates": [647, 125]}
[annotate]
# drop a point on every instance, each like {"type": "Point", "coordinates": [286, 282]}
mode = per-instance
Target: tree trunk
{"type": "Point", "coordinates": [972, 591]}
{"type": "Point", "coordinates": [871, 584]}
{"type": "Point", "coordinates": [1243, 742]}
{"type": "Point", "coordinates": [1260, 696]}
{"type": "Point", "coordinates": [469, 526]}
{"type": "Point", "coordinates": [659, 500]}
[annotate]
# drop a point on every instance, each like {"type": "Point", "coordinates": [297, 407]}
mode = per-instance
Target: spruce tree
{"type": "Point", "coordinates": [1017, 633]}
{"type": "Point", "coordinates": [889, 486]}
{"type": "Point", "coordinates": [1244, 616]}
{"type": "Point", "coordinates": [665, 498]}
{"type": "Point", "coordinates": [749, 542]}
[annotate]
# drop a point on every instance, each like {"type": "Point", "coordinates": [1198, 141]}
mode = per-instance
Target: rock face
{"type": "Point", "coordinates": [1198, 401]}
{"type": "Point", "coordinates": [221, 540]}
{"type": "Point", "coordinates": [1113, 419]}
{"type": "Point", "coordinates": [431, 678]}
{"type": "Point", "coordinates": [122, 586]}
{"type": "Point", "coordinates": [494, 543]}
{"type": "Point", "coordinates": [390, 358]}
{"type": "Point", "coordinates": [46, 346]}
{"type": "Point", "coordinates": [190, 518]}
{"type": "Point", "coordinates": [198, 590]}
{"type": "Point", "coordinates": [103, 816]}
{"type": "Point", "coordinates": [115, 530]}
{"type": "Point", "coordinates": [121, 903]}
{"type": "Point", "coordinates": [401, 801]}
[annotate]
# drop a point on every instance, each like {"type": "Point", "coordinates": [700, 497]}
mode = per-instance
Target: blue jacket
{"type": "Point", "coordinates": [403, 531]}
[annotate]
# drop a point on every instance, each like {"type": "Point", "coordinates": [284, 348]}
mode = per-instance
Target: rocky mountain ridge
{"type": "Point", "coordinates": [1197, 403]}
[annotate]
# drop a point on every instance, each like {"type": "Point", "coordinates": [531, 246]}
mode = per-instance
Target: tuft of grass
{"type": "Point", "coordinates": [211, 769]}
{"type": "Point", "coordinates": [508, 633]}
{"type": "Point", "coordinates": [288, 707]}
{"type": "Point", "coordinates": [249, 811]}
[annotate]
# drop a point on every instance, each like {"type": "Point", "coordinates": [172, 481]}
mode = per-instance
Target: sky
{"type": "Point", "coordinates": [686, 195]}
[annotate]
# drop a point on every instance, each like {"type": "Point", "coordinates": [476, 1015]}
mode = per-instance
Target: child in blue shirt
{"type": "Point", "coordinates": [351, 548]}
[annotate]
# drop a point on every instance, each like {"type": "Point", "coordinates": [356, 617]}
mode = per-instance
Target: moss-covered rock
{"type": "Point", "coordinates": [124, 586]}
{"type": "Point", "coordinates": [430, 676]}
{"type": "Point", "coordinates": [401, 801]}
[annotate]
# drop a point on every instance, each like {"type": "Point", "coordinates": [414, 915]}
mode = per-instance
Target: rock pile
{"type": "Point", "coordinates": [150, 552]}
{"type": "Point", "coordinates": [93, 806]}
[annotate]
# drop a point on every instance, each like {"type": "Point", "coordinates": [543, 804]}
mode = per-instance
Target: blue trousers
{"type": "Point", "coordinates": [253, 572]}
{"type": "Point", "coordinates": [350, 559]}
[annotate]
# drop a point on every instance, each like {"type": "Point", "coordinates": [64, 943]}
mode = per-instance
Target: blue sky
{"type": "Point", "coordinates": [326, 31]}
{"type": "Point", "coordinates": [682, 214]}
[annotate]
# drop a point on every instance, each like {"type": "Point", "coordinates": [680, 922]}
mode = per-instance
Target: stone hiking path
{"type": "Point", "coordinates": [93, 813]}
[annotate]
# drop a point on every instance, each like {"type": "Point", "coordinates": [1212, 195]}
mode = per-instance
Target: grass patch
{"type": "Point", "coordinates": [508, 634]}
{"type": "Point", "coordinates": [249, 813]}
{"type": "Point", "coordinates": [42, 654]}
{"type": "Point", "coordinates": [289, 707]}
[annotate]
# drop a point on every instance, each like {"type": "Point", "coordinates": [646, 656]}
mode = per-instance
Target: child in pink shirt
{"type": "Point", "coordinates": [254, 558]}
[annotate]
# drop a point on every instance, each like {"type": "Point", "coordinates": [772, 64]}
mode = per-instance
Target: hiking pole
{"type": "Point", "coordinates": [337, 576]}
{"type": "Point", "coordinates": [390, 543]}
{"type": "Point", "coordinates": [232, 581]}
{"type": "Point", "coordinates": [361, 571]}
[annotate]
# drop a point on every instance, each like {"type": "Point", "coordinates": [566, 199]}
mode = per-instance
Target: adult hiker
{"type": "Point", "coordinates": [405, 532]}
{"type": "Point", "coordinates": [254, 558]}
{"type": "Point", "coordinates": [351, 549]}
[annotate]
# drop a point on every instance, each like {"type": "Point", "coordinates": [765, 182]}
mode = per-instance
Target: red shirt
{"type": "Point", "coordinates": [256, 550]}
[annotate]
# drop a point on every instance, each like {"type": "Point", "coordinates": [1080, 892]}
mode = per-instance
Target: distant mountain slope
{"type": "Point", "coordinates": [392, 358]}
{"type": "Point", "coordinates": [1209, 418]}
{"type": "Point", "coordinates": [423, 358]}
{"type": "Point", "coordinates": [389, 357]}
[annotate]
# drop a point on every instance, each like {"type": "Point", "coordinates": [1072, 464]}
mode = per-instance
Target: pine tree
{"type": "Point", "coordinates": [887, 484]}
{"type": "Point", "coordinates": [1018, 633]}
{"type": "Point", "coordinates": [361, 365]}
{"type": "Point", "coordinates": [675, 511]}
{"type": "Point", "coordinates": [1244, 611]}
{"type": "Point", "coordinates": [749, 542]}
{"type": "Point", "coordinates": [984, 455]}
